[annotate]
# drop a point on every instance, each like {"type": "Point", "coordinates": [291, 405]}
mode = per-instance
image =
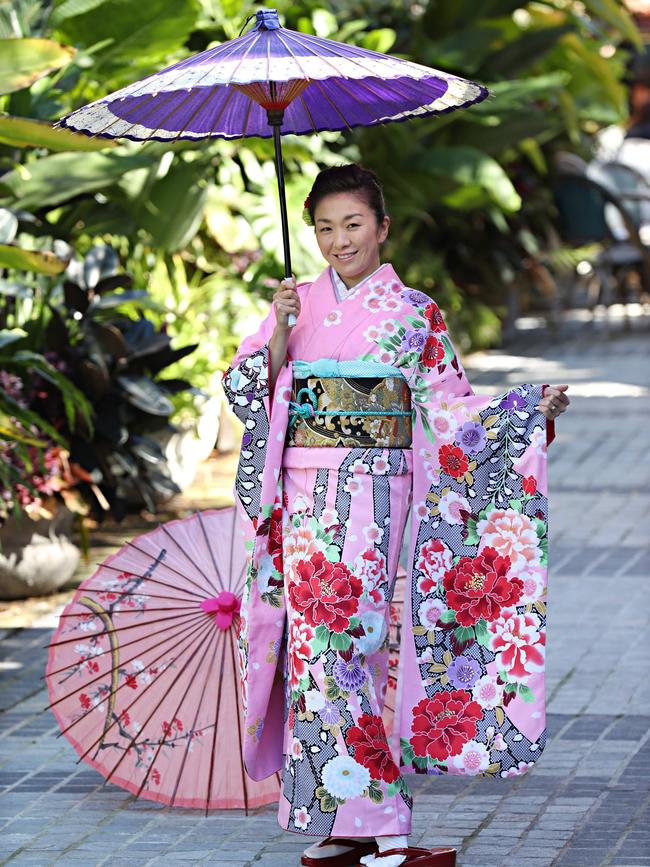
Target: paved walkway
{"type": "Point", "coordinates": [587, 803]}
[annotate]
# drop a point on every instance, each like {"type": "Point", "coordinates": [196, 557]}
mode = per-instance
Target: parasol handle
{"type": "Point", "coordinates": [275, 117]}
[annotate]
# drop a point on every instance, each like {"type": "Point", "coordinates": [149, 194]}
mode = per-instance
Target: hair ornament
{"type": "Point", "coordinates": [306, 212]}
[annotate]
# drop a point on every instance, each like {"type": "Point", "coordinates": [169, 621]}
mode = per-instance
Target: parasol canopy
{"type": "Point", "coordinates": [318, 84]}
{"type": "Point", "coordinates": [142, 673]}
{"type": "Point", "coordinates": [274, 81]}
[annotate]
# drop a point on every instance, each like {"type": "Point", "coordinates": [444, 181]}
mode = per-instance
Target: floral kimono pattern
{"type": "Point", "coordinates": [325, 526]}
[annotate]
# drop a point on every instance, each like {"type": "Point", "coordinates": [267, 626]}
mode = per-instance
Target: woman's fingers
{"type": "Point", "coordinates": [286, 300]}
{"type": "Point", "coordinates": [555, 401]}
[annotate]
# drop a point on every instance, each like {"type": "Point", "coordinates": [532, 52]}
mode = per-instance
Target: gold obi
{"type": "Point", "coordinates": [350, 412]}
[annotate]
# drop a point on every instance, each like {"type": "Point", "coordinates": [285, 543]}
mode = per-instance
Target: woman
{"type": "Point", "coordinates": [358, 410]}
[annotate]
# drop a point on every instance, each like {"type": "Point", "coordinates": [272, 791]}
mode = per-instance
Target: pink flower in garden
{"type": "Point", "coordinates": [518, 644]}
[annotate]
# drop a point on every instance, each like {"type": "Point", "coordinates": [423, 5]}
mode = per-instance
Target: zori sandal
{"type": "Point", "coordinates": [350, 858]}
{"type": "Point", "coordinates": [416, 857]}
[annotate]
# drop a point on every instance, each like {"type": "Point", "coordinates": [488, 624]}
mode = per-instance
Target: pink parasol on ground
{"type": "Point", "coordinates": [142, 671]}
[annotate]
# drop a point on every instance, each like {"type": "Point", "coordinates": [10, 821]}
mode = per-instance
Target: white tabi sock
{"type": "Point", "coordinates": [318, 851]}
{"type": "Point", "coordinates": [384, 844]}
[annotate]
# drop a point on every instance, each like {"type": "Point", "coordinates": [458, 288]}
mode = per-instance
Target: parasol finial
{"type": "Point", "coordinates": [267, 19]}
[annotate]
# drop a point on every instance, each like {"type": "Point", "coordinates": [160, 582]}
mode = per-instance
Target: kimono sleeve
{"type": "Point", "coordinates": [247, 378]}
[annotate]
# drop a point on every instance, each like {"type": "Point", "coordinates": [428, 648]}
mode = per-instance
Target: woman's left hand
{"type": "Point", "coordinates": [554, 402]}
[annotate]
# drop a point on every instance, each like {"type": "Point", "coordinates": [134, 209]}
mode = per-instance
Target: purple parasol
{"type": "Point", "coordinates": [274, 81]}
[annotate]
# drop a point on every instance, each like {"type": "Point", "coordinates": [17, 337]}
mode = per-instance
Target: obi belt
{"type": "Point", "coordinates": [350, 404]}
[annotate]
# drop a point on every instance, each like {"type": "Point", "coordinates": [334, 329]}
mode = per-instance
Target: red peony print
{"type": "Point", "coordinates": [433, 314]}
{"type": "Point", "coordinates": [529, 485]}
{"type": "Point", "coordinates": [327, 593]}
{"type": "Point", "coordinates": [368, 740]}
{"type": "Point", "coordinates": [433, 352]}
{"type": "Point", "coordinates": [442, 724]}
{"type": "Point", "coordinates": [479, 587]}
{"type": "Point", "coordinates": [453, 461]}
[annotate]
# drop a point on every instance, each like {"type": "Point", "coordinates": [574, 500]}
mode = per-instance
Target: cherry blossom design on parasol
{"type": "Point", "coordinates": [143, 675]}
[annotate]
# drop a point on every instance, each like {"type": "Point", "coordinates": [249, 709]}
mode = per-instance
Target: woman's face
{"type": "Point", "coordinates": [348, 235]}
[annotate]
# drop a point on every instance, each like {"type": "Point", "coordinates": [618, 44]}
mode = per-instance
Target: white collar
{"type": "Point", "coordinates": [341, 289]}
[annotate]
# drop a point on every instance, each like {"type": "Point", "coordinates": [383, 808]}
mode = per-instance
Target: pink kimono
{"type": "Point", "coordinates": [326, 527]}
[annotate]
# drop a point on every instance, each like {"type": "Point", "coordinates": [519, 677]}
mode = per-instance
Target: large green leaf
{"type": "Point", "coordinates": [616, 15]}
{"type": "Point", "coordinates": [11, 335]}
{"type": "Point", "coordinates": [508, 96]}
{"type": "Point", "coordinates": [174, 208]}
{"type": "Point", "coordinates": [41, 261]}
{"type": "Point", "coordinates": [516, 56]}
{"type": "Point", "coordinates": [60, 177]}
{"type": "Point", "coordinates": [24, 61]}
{"type": "Point", "coordinates": [139, 32]}
{"type": "Point", "coordinates": [23, 132]}
{"type": "Point", "coordinates": [72, 8]}
{"type": "Point", "coordinates": [8, 226]}
{"type": "Point", "coordinates": [470, 166]}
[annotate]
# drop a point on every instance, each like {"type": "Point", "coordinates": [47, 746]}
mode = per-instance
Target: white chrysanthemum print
{"type": "Point", "coordinates": [344, 778]}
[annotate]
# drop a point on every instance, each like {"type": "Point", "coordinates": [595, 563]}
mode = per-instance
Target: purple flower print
{"type": "Point", "coordinates": [471, 437]}
{"type": "Point", "coordinates": [348, 674]}
{"type": "Point", "coordinates": [247, 439]}
{"type": "Point", "coordinates": [413, 341]}
{"type": "Point", "coordinates": [417, 299]}
{"type": "Point", "coordinates": [463, 672]}
{"type": "Point", "coordinates": [513, 400]}
{"type": "Point", "coordinates": [329, 713]}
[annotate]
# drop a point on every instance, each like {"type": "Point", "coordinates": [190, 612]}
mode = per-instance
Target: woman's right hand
{"type": "Point", "coordinates": [286, 301]}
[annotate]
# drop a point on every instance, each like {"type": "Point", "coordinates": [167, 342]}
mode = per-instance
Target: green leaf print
{"type": "Point", "coordinates": [526, 693]}
{"type": "Point", "coordinates": [482, 634]}
{"type": "Point", "coordinates": [516, 505]}
{"type": "Point", "coordinates": [464, 633]}
{"type": "Point", "coordinates": [328, 803]}
{"type": "Point", "coordinates": [375, 793]}
{"type": "Point", "coordinates": [448, 616]}
{"type": "Point", "coordinates": [321, 641]}
{"type": "Point", "coordinates": [332, 692]}
{"type": "Point", "coordinates": [408, 753]}
{"type": "Point", "coordinates": [340, 641]}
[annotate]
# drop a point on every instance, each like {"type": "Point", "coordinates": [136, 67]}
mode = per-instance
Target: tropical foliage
{"type": "Point", "coordinates": [198, 224]}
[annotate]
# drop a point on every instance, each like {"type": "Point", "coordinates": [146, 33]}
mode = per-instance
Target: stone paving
{"type": "Point", "coordinates": [587, 802]}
